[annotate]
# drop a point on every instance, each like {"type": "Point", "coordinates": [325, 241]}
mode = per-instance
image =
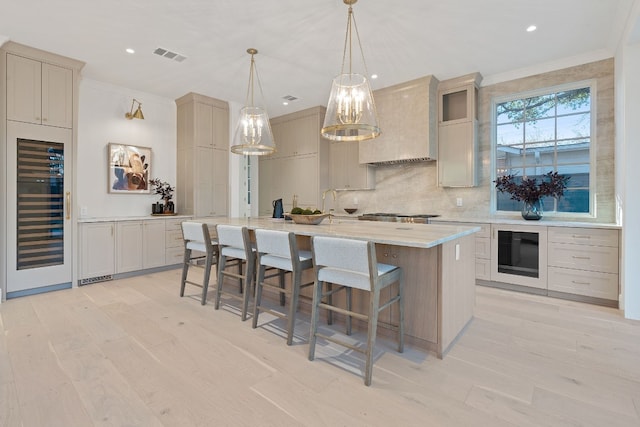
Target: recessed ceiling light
{"type": "Point", "coordinates": [531, 28]}
{"type": "Point", "coordinates": [285, 103]}
{"type": "Point", "coordinates": [129, 50]}
{"type": "Point", "coordinates": [374, 76]}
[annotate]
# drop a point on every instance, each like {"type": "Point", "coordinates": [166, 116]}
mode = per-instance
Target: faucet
{"type": "Point", "coordinates": [324, 193]}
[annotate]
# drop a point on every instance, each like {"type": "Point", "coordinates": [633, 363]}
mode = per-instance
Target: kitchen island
{"type": "Point", "coordinates": [439, 271]}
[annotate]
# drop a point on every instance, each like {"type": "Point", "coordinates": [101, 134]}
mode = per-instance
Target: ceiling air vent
{"type": "Point", "coordinates": [290, 98]}
{"type": "Point", "coordinates": [169, 55]}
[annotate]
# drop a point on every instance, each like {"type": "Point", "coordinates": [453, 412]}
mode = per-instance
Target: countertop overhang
{"type": "Point", "coordinates": [391, 233]}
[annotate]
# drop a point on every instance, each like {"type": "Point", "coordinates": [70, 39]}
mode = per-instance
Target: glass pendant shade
{"type": "Point", "coordinates": [253, 135]}
{"type": "Point", "coordinates": [351, 112]}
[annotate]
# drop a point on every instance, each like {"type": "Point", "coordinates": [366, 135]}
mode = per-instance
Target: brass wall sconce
{"type": "Point", "coordinates": [138, 113]}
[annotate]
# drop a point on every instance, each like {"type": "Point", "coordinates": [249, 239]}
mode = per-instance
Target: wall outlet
{"type": "Point", "coordinates": [84, 211]}
{"type": "Point", "coordinates": [459, 201]}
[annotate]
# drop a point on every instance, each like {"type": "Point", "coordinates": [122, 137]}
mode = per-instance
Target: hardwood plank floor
{"type": "Point", "coordinates": [131, 352]}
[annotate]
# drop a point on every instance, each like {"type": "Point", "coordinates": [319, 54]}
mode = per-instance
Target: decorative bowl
{"type": "Point", "coordinates": [350, 210]}
{"type": "Point", "coordinates": [307, 219]}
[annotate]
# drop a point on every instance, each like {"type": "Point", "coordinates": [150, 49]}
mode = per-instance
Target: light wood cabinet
{"type": "Point", "coordinates": [39, 93]}
{"type": "Point", "coordinates": [97, 250]}
{"type": "Point", "coordinates": [345, 170]}
{"type": "Point", "coordinates": [458, 131]}
{"type": "Point", "coordinates": [482, 246]}
{"type": "Point", "coordinates": [174, 243]}
{"type": "Point", "coordinates": [584, 262]}
{"type": "Point", "coordinates": [128, 246]}
{"type": "Point", "coordinates": [153, 244]}
{"type": "Point", "coordinates": [202, 187]}
{"type": "Point", "coordinates": [301, 164]}
{"type": "Point", "coordinates": [125, 246]}
{"type": "Point", "coordinates": [408, 122]}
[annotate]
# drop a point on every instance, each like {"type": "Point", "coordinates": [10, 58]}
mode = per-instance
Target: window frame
{"type": "Point", "coordinates": [592, 85]}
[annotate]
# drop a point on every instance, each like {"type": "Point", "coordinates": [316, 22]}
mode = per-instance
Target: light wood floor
{"type": "Point", "coordinates": [132, 353]}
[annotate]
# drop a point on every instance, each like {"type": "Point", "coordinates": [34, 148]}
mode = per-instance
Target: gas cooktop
{"type": "Point", "coordinates": [397, 217]}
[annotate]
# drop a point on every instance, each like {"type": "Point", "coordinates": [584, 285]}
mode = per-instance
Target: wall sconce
{"type": "Point", "coordinates": [138, 114]}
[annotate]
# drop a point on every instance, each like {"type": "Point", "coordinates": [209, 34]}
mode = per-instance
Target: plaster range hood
{"type": "Point", "coordinates": [407, 115]}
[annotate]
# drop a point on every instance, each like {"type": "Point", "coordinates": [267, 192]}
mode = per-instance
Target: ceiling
{"type": "Point", "coordinates": [300, 42]}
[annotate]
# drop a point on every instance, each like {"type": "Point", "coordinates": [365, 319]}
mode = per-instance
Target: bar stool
{"type": "Point", "coordinates": [352, 264]}
{"type": "Point", "coordinates": [279, 250]}
{"type": "Point", "coordinates": [196, 238]}
{"type": "Point", "coordinates": [234, 244]}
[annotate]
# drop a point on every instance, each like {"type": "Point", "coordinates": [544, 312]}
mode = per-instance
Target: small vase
{"type": "Point", "coordinates": [532, 210]}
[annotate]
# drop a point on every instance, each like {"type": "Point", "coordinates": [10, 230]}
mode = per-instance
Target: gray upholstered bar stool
{"type": "Point", "coordinates": [352, 264]}
{"type": "Point", "coordinates": [279, 250]}
{"type": "Point", "coordinates": [196, 238]}
{"type": "Point", "coordinates": [234, 244]}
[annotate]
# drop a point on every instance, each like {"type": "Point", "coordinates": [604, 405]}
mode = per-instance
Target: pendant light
{"type": "Point", "coordinates": [351, 112]}
{"type": "Point", "coordinates": [253, 135]}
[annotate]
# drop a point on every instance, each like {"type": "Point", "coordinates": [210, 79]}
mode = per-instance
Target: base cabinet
{"type": "Point", "coordinates": [125, 246]}
{"type": "Point", "coordinates": [97, 249]}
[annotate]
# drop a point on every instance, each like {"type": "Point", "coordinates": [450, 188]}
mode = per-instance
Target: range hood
{"type": "Point", "coordinates": [407, 116]}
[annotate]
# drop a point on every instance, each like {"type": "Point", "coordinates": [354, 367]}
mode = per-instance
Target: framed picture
{"type": "Point", "coordinates": [129, 168]}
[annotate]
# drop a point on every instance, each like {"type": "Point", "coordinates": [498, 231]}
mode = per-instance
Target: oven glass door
{"type": "Point", "coordinates": [519, 255]}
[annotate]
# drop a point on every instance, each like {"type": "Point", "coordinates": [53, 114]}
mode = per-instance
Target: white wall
{"type": "Point", "coordinates": [101, 121]}
{"type": "Point", "coordinates": [627, 156]}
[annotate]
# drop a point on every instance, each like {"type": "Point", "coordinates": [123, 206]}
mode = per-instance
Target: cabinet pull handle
{"type": "Point", "coordinates": [581, 257]}
{"type": "Point", "coordinates": [577, 282]}
{"type": "Point", "coordinates": [394, 256]}
{"type": "Point", "coordinates": [68, 205]}
{"type": "Point", "coordinates": [112, 230]}
{"type": "Point", "coordinates": [581, 236]}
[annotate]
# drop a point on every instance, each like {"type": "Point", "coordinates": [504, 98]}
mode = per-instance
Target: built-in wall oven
{"type": "Point", "coordinates": [516, 255]}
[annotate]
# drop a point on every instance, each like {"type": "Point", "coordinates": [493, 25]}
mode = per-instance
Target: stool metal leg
{"type": "Point", "coordinates": [374, 304]}
{"type": "Point", "coordinates": [207, 275]}
{"type": "Point", "coordinates": [315, 313]}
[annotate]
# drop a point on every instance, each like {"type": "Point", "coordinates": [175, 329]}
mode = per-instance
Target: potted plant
{"type": "Point", "coordinates": [165, 190]}
{"type": "Point", "coordinates": [530, 192]}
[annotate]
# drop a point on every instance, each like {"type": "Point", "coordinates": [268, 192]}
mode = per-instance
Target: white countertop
{"type": "Point", "coordinates": [132, 218]}
{"type": "Point", "coordinates": [544, 222]}
{"type": "Point", "coordinates": [391, 233]}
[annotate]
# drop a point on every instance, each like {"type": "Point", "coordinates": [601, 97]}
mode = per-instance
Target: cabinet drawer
{"type": "Point", "coordinates": [587, 283]}
{"type": "Point", "coordinates": [581, 257]}
{"type": "Point", "coordinates": [173, 239]}
{"type": "Point", "coordinates": [584, 236]}
{"type": "Point", "coordinates": [483, 269]}
{"type": "Point", "coordinates": [483, 247]}
{"type": "Point", "coordinates": [174, 255]}
{"type": "Point", "coordinates": [173, 224]}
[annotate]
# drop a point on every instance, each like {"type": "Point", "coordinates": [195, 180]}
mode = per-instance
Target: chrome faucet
{"type": "Point", "coordinates": [324, 193]}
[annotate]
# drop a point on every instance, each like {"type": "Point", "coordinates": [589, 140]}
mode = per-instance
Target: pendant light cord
{"type": "Point", "coordinates": [348, 42]}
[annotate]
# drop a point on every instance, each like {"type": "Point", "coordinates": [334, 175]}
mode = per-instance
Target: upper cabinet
{"type": "Point", "coordinates": [458, 131]}
{"type": "Point", "coordinates": [407, 119]}
{"type": "Point", "coordinates": [39, 92]}
{"type": "Point", "coordinates": [345, 172]}
{"type": "Point", "coordinates": [202, 156]}
{"type": "Point", "coordinates": [300, 164]}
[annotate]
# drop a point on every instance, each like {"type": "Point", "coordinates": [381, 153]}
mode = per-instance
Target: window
{"type": "Point", "coordinates": [546, 131]}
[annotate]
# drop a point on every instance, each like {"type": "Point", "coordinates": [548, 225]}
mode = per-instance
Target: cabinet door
{"type": "Point", "coordinates": [129, 246]}
{"type": "Point", "coordinates": [302, 179]}
{"type": "Point", "coordinates": [24, 89]}
{"type": "Point", "coordinates": [97, 249]}
{"type": "Point", "coordinates": [456, 155]}
{"type": "Point", "coordinates": [153, 247]}
{"type": "Point", "coordinates": [203, 196]}
{"type": "Point", "coordinates": [268, 176]}
{"type": "Point", "coordinates": [304, 135]}
{"type": "Point", "coordinates": [220, 169]}
{"type": "Point", "coordinates": [338, 164]}
{"type": "Point", "coordinates": [221, 128]}
{"type": "Point", "coordinates": [57, 96]}
{"type": "Point", "coordinates": [203, 125]}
